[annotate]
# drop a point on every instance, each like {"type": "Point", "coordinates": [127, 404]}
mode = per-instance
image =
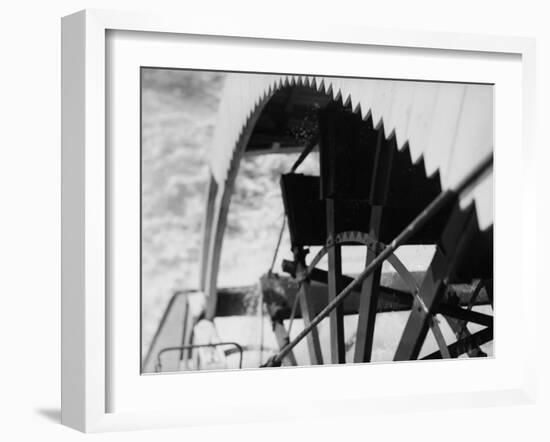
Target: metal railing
{"type": "Point", "coordinates": [182, 348]}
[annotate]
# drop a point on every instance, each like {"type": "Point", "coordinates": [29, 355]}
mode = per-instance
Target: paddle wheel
{"type": "Point", "coordinates": [400, 164]}
{"type": "Point", "coordinates": [367, 193]}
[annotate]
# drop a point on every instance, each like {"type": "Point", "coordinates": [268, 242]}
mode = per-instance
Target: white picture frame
{"type": "Point", "coordinates": [86, 203]}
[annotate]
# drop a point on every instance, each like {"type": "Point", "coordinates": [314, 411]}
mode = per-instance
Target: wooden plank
{"type": "Point", "coordinates": [368, 307]}
{"type": "Point", "coordinates": [454, 241]}
{"type": "Point", "coordinates": [368, 302]}
{"type": "Point", "coordinates": [418, 322]}
{"type": "Point", "coordinates": [336, 318]}
{"type": "Point", "coordinates": [439, 338]}
{"type": "Point", "coordinates": [466, 344]}
{"type": "Point", "coordinates": [332, 142]}
{"type": "Point", "coordinates": [462, 314]}
{"type": "Point", "coordinates": [308, 313]}
{"type": "Point", "coordinates": [370, 289]}
{"type": "Point", "coordinates": [460, 331]}
{"type": "Point", "coordinates": [282, 339]}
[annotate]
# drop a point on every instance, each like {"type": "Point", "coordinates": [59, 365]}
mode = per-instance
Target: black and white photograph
{"type": "Point", "coordinates": [297, 220]}
{"type": "Point", "coordinates": [250, 221]}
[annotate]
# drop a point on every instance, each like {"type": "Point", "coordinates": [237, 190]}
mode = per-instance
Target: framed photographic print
{"type": "Point", "coordinates": [247, 212]}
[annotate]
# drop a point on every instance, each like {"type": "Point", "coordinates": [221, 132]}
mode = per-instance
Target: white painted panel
{"type": "Point", "coordinates": [474, 136]}
{"type": "Point", "coordinates": [443, 126]}
{"type": "Point", "coordinates": [420, 121]}
{"type": "Point", "coordinates": [401, 110]}
{"type": "Point", "coordinates": [366, 95]}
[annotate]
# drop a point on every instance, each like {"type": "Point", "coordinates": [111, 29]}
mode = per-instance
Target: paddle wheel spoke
{"type": "Point", "coordinates": [313, 343]}
{"type": "Point", "coordinates": [454, 241]}
{"type": "Point", "coordinates": [370, 289]}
